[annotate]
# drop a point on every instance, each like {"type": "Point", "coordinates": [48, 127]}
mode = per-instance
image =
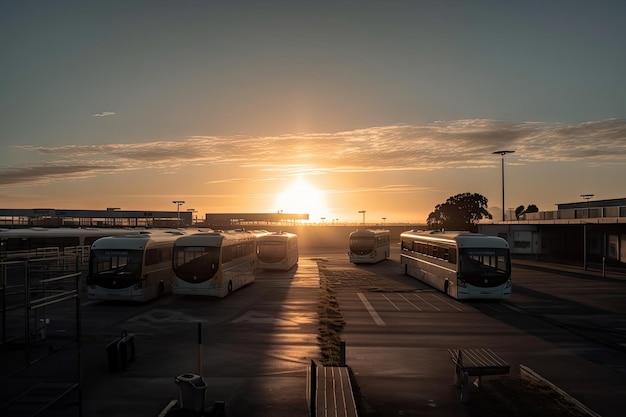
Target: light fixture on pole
{"type": "Point", "coordinates": [178, 204]}
{"type": "Point", "coordinates": [363, 213]}
{"type": "Point", "coordinates": [502, 153]}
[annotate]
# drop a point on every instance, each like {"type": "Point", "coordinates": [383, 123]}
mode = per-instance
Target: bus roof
{"type": "Point", "coordinates": [370, 232]}
{"type": "Point", "coordinates": [277, 236]}
{"type": "Point", "coordinates": [136, 241]}
{"type": "Point", "coordinates": [458, 238]}
{"type": "Point", "coordinates": [213, 238]}
{"type": "Point", "coordinates": [64, 231]}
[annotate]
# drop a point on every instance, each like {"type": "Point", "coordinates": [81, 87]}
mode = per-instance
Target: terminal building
{"type": "Point", "coordinates": [111, 217]}
{"type": "Point", "coordinates": [589, 231]}
{"type": "Point", "coordinates": [115, 217]}
{"type": "Point", "coordinates": [593, 230]}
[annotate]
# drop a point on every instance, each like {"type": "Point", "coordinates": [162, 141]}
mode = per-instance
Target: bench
{"type": "Point", "coordinates": [329, 391]}
{"type": "Point", "coordinates": [475, 362]}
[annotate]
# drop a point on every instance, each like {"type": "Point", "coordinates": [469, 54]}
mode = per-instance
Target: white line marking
{"type": "Point", "coordinates": [442, 298]}
{"type": "Point", "coordinates": [391, 302]}
{"type": "Point", "coordinates": [405, 299]}
{"type": "Point", "coordinates": [424, 300]}
{"type": "Point", "coordinates": [371, 310]}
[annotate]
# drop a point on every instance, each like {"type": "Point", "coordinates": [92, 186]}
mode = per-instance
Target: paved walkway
{"type": "Point", "coordinates": [593, 270]}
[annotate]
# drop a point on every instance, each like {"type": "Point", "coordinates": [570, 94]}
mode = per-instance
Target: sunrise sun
{"type": "Point", "coordinates": [302, 197]}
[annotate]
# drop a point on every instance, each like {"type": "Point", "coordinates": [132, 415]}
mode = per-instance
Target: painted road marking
{"type": "Point", "coordinates": [391, 302]}
{"type": "Point", "coordinates": [371, 310]}
{"type": "Point", "coordinates": [255, 317]}
{"type": "Point", "coordinates": [414, 306]}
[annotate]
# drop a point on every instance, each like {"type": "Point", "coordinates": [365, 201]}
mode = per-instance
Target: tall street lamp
{"type": "Point", "coordinates": [178, 204]}
{"type": "Point", "coordinates": [502, 153]}
{"type": "Point", "coordinates": [363, 213]}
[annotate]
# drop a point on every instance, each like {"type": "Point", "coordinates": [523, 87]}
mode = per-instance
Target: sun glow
{"type": "Point", "coordinates": [302, 197]}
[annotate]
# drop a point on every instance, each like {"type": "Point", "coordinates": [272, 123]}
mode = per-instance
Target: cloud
{"type": "Point", "coordinates": [43, 173]}
{"type": "Point", "coordinates": [104, 114]}
{"type": "Point", "coordinates": [460, 144]}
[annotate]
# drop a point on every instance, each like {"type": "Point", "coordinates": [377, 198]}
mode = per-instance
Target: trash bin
{"type": "Point", "coordinates": [192, 389]}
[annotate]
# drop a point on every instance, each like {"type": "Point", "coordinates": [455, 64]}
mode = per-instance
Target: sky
{"type": "Point", "coordinates": [329, 108]}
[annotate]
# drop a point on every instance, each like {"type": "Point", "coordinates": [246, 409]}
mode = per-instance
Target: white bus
{"type": "Point", "coordinates": [132, 267]}
{"type": "Point", "coordinates": [369, 246]}
{"type": "Point", "coordinates": [214, 263]}
{"type": "Point", "coordinates": [37, 241]}
{"type": "Point", "coordinates": [463, 265]}
{"type": "Point", "coordinates": [278, 251]}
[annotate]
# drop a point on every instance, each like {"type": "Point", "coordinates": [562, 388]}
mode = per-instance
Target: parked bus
{"type": "Point", "coordinates": [278, 251]}
{"type": "Point", "coordinates": [214, 263]}
{"type": "Point", "coordinates": [463, 265]}
{"type": "Point", "coordinates": [132, 267]}
{"type": "Point", "coordinates": [36, 241]}
{"type": "Point", "coordinates": [369, 246]}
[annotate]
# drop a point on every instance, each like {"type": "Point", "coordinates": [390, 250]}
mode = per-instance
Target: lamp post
{"type": "Point", "coordinates": [363, 213]}
{"type": "Point", "coordinates": [502, 153]}
{"type": "Point", "coordinates": [178, 204]}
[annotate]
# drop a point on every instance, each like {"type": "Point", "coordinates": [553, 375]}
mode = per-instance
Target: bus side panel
{"type": "Point", "coordinates": [237, 274]}
{"type": "Point", "coordinates": [157, 275]}
{"type": "Point", "coordinates": [430, 273]}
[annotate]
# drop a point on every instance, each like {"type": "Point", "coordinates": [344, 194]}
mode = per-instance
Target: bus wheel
{"type": "Point", "coordinates": [446, 284]}
{"type": "Point", "coordinates": [406, 269]}
{"type": "Point", "coordinates": [230, 287]}
{"type": "Point", "coordinates": [161, 290]}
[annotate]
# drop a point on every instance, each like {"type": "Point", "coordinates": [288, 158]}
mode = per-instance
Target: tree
{"type": "Point", "coordinates": [459, 212]}
{"type": "Point", "coordinates": [521, 210]}
{"type": "Point", "coordinates": [532, 209]}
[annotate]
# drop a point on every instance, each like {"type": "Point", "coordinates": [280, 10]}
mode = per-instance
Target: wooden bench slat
{"type": "Point", "coordinates": [334, 392]}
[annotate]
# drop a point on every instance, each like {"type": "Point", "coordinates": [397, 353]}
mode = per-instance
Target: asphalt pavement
{"type": "Point", "coordinates": [599, 388]}
{"type": "Point", "coordinates": [409, 381]}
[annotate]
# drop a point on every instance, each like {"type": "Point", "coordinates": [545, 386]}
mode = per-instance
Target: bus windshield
{"type": "Point", "coordinates": [485, 267]}
{"type": "Point", "coordinates": [122, 265]}
{"type": "Point", "coordinates": [271, 251]}
{"type": "Point", "coordinates": [361, 245]}
{"type": "Point", "coordinates": [196, 263]}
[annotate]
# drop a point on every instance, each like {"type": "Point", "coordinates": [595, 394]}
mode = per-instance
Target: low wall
{"type": "Point", "coordinates": [335, 237]}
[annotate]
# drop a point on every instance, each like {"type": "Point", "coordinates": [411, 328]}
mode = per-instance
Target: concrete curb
{"type": "Point", "coordinates": [527, 374]}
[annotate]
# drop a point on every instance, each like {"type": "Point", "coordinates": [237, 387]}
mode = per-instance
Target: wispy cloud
{"type": "Point", "coordinates": [460, 144]}
{"type": "Point", "coordinates": [43, 173]}
{"type": "Point", "coordinates": [104, 114]}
